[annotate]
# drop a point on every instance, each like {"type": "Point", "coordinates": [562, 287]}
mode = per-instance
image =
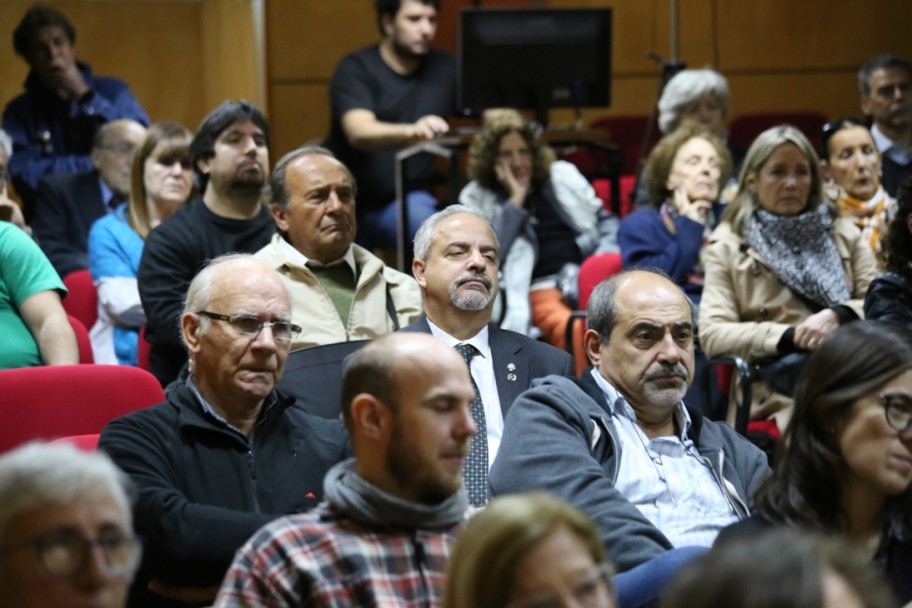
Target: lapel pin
{"type": "Point", "coordinates": [511, 377]}
{"type": "Point", "coordinates": [511, 367]}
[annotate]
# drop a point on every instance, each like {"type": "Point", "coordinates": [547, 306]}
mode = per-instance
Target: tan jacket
{"type": "Point", "coordinates": [314, 311]}
{"type": "Point", "coordinates": [745, 307]}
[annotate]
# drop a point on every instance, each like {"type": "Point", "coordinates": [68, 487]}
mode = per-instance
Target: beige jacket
{"type": "Point", "coordinates": [745, 308]}
{"type": "Point", "coordinates": [314, 311]}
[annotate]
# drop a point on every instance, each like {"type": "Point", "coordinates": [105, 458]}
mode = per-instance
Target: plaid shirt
{"type": "Point", "coordinates": [323, 558]}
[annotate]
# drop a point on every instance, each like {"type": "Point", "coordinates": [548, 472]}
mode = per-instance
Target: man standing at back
{"type": "Point", "coordinates": [230, 155]}
{"type": "Point", "coordinates": [886, 97]}
{"type": "Point", "coordinates": [456, 262]}
{"type": "Point", "coordinates": [386, 97]}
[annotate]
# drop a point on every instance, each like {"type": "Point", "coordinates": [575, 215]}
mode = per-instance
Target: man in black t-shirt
{"type": "Point", "coordinates": [386, 97]}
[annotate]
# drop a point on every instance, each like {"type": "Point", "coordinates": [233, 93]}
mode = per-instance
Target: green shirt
{"type": "Point", "coordinates": [24, 271]}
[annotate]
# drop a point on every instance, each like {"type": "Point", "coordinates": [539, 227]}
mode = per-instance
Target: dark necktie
{"type": "Point", "coordinates": [475, 473]}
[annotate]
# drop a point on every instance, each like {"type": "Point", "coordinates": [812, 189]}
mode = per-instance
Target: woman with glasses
{"type": "Point", "coordinates": [161, 182]}
{"type": "Point", "coordinates": [851, 166]}
{"type": "Point", "coordinates": [845, 463]}
{"type": "Point", "coordinates": [66, 534]}
{"type": "Point", "coordinates": [782, 269]}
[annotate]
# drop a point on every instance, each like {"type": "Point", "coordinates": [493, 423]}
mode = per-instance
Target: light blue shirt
{"type": "Point", "coordinates": [667, 478]}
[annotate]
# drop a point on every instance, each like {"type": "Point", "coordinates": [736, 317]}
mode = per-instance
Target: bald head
{"type": "Point", "coordinates": [112, 153]}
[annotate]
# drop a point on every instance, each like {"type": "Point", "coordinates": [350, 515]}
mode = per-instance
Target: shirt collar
{"type": "Point", "coordinates": [479, 340]}
{"type": "Point", "coordinates": [883, 143]}
{"type": "Point", "coordinates": [210, 411]}
{"type": "Point", "coordinates": [297, 258]}
{"type": "Point", "coordinates": [618, 406]}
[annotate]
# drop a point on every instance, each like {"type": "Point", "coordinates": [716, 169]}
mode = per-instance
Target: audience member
{"type": "Point", "coordinates": [546, 216]}
{"type": "Point", "coordinates": [851, 165]}
{"type": "Point", "coordinates": [682, 178]}
{"type": "Point", "coordinates": [9, 209]}
{"type": "Point", "coordinates": [386, 97]}
{"type": "Point", "coordinates": [341, 291]}
{"type": "Point", "coordinates": [694, 97]}
{"type": "Point", "coordinates": [33, 324]}
{"type": "Point", "coordinates": [456, 259]}
{"type": "Point", "coordinates": [68, 205]}
{"type": "Point", "coordinates": [889, 297]}
{"type": "Point", "coordinates": [885, 83]}
{"type": "Point", "coordinates": [782, 269]}
{"type": "Point", "coordinates": [53, 123]}
{"type": "Point", "coordinates": [619, 444]}
{"type": "Point", "coordinates": [782, 569]}
{"type": "Point", "coordinates": [385, 532]}
{"type": "Point", "coordinates": [230, 156]}
{"type": "Point", "coordinates": [161, 181]}
{"type": "Point", "coordinates": [844, 466]}
{"type": "Point", "coordinates": [225, 454]}
{"type": "Point", "coordinates": [66, 536]}
{"type": "Point", "coordinates": [529, 550]}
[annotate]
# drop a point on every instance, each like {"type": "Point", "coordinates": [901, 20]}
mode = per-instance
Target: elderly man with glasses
{"type": "Point", "coordinates": [225, 454]}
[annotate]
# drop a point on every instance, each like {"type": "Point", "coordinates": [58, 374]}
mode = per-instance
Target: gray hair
{"type": "Point", "coordinates": [277, 190]}
{"type": "Point", "coordinates": [879, 62]}
{"type": "Point", "coordinates": [6, 144]}
{"type": "Point", "coordinates": [744, 202]}
{"type": "Point", "coordinates": [39, 475]}
{"type": "Point", "coordinates": [424, 238]}
{"type": "Point", "coordinates": [601, 313]}
{"type": "Point", "coordinates": [687, 86]}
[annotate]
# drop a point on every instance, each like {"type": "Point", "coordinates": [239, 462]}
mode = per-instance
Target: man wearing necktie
{"type": "Point", "coordinates": [68, 205]}
{"type": "Point", "coordinates": [456, 263]}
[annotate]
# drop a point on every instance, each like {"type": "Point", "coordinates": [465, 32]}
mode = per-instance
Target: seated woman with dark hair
{"type": "Point", "coordinates": [682, 177]}
{"type": "Point", "coordinates": [851, 165]}
{"type": "Point", "coordinates": [546, 216]}
{"type": "Point", "coordinates": [889, 297]}
{"type": "Point", "coordinates": [844, 465]}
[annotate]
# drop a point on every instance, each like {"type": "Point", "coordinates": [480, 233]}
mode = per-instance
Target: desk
{"type": "Point", "coordinates": [450, 145]}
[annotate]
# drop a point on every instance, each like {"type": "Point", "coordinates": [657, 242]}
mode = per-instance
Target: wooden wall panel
{"type": "Point", "coordinates": [299, 114]}
{"type": "Point", "coordinates": [160, 58]}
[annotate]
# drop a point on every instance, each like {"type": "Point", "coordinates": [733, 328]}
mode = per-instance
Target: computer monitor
{"type": "Point", "coordinates": [534, 59]}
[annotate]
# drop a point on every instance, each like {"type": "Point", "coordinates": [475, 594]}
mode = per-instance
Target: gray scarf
{"type": "Point", "coordinates": [368, 504]}
{"type": "Point", "coordinates": [800, 249]}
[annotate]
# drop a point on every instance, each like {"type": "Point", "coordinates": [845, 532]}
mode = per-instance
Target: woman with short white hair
{"type": "Point", "coordinates": [66, 531]}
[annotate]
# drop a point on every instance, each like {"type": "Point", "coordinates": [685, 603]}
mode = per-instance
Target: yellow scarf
{"type": "Point", "coordinates": [870, 216]}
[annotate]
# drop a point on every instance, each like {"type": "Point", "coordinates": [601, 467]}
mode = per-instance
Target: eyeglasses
{"type": "Point", "coordinates": [592, 590]}
{"type": "Point", "coordinates": [65, 552]}
{"type": "Point", "coordinates": [898, 409]}
{"type": "Point", "coordinates": [282, 331]}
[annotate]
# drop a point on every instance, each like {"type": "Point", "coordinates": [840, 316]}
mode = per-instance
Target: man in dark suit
{"type": "Point", "coordinates": [456, 263]}
{"type": "Point", "coordinates": [68, 205]}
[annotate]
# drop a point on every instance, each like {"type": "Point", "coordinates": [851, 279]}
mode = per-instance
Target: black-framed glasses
{"type": "Point", "coordinates": [898, 409]}
{"type": "Point", "coordinates": [65, 552]}
{"type": "Point", "coordinates": [593, 589]}
{"type": "Point", "coordinates": [248, 325]}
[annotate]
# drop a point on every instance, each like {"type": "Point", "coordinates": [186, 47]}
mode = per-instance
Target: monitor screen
{"type": "Point", "coordinates": [534, 59]}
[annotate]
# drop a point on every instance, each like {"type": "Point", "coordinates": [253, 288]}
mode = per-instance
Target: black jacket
{"type": "Point", "coordinates": [889, 299]}
{"type": "Point", "coordinates": [204, 488]}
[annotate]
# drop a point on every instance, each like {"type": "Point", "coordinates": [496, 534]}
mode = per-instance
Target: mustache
{"type": "Point", "coordinates": [663, 370]}
{"type": "Point", "coordinates": [473, 276]}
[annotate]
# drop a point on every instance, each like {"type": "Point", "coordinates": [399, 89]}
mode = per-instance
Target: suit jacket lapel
{"type": "Point", "coordinates": [511, 366]}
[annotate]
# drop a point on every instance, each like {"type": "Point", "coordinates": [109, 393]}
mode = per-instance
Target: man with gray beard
{"type": "Point", "coordinates": [456, 264]}
{"type": "Point", "coordinates": [681, 479]}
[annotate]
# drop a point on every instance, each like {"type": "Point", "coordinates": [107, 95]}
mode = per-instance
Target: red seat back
{"type": "Point", "coordinates": [49, 402]}
{"type": "Point", "coordinates": [593, 271]}
{"type": "Point", "coordinates": [82, 340]}
{"type": "Point", "coordinates": [81, 300]}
